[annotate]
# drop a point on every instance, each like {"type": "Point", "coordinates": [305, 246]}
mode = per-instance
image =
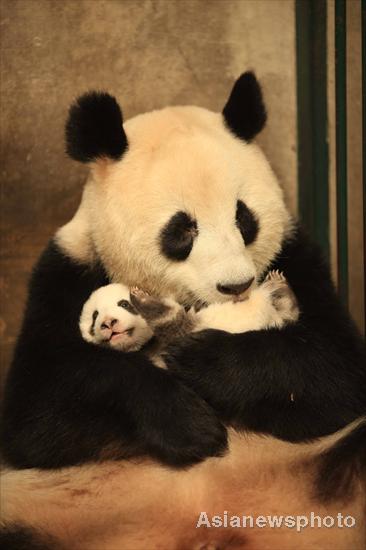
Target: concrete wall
{"type": "Point", "coordinates": [149, 53]}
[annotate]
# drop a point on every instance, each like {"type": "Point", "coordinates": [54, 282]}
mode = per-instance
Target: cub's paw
{"type": "Point", "coordinates": [283, 299]}
{"type": "Point", "coordinates": [148, 306]}
{"type": "Point", "coordinates": [152, 309]}
{"type": "Point", "coordinates": [139, 294]}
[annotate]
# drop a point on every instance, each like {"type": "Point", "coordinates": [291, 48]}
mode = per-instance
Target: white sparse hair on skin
{"type": "Point", "coordinates": [128, 331]}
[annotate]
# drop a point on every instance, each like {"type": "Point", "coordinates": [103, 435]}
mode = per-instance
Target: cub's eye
{"type": "Point", "coordinates": [176, 238]}
{"type": "Point", "coordinates": [129, 307]}
{"type": "Point", "coordinates": [246, 222]}
{"type": "Point", "coordinates": [95, 315]}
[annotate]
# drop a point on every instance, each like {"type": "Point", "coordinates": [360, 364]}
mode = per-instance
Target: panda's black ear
{"type": "Point", "coordinates": [94, 128]}
{"type": "Point", "coordinates": [244, 112]}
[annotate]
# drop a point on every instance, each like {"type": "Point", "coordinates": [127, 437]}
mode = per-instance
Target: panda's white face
{"type": "Point", "coordinates": [189, 209]}
{"type": "Point", "coordinates": [108, 318]}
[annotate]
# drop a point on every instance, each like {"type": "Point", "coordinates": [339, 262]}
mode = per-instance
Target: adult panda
{"type": "Point", "coordinates": [181, 202]}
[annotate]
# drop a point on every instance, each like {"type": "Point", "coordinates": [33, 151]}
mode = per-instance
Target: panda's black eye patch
{"type": "Point", "coordinates": [177, 236]}
{"type": "Point", "coordinates": [246, 222]}
{"type": "Point", "coordinates": [94, 318]}
{"type": "Point", "coordinates": [127, 306]}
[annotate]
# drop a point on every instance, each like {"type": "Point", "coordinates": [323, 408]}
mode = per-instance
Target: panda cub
{"type": "Point", "coordinates": [109, 318]}
{"type": "Point", "coordinates": [126, 320]}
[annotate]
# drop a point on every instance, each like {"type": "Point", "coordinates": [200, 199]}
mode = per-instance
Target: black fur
{"type": "Point", "coordinates": [18, 537]}
{"type": "Point", "coordinates": [66, 400]}
{"type": "Point", "coordinates": [245, 113]}
{"type": "Point", "coordinates": [177, 236]}
{"type": "Point", "coordinates": [303, 381]}
{"type": "Point", "coordinates": [125, 304]}
{"type": "Point", "coordinates": [94, 128]}
{"type": "Point", "coordinates": [94, 318]}
{"type": "Point", "coordinates": [340, 467]}
{"type": "Point", "coordinates": [246, 222]}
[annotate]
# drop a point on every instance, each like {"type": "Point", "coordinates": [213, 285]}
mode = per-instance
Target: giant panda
{"type": "Point", "coordinates": [104, 450]}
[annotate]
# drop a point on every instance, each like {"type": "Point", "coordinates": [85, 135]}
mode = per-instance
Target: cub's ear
{"type": "Point", "coordinates": [245, 113]}
{"type": "Point", "coordinates": [94, 128]}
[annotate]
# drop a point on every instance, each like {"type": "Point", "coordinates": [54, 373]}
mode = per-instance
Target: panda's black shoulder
{"type": "Point", "coordinates": [321, 311]}
{"type": "Point", "coordinates": [58, 288]}
{"type": "Point", "coordinates": [299, 254]}
{"type": "Point", "coordinates": [306, 268]}
{"type": "Point", "coordinates": [56, 269]}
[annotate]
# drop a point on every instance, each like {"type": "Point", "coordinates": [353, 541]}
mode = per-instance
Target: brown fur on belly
{"type": "Point", "coordinates": [139, 505]}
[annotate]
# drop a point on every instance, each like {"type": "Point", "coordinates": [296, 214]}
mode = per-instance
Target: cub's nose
{"type": "Point", "coordinates": [108, 322]}
{"type": "Point", "coordinates": [235, 289]}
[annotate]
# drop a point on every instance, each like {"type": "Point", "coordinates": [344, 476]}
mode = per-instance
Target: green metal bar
{"type": "Point", "coordinates": [312, 120]}
{"type": "Point", "coordinates": [363, 9]}
{"type": "Point", "coordinates": [341, 146]}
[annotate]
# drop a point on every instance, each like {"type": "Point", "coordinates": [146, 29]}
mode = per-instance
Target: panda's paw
{"type": "Point", "coordinates": [189, 433]}
{"type": "Point", "coordinates": [282, 297]}
{"type": "Point", "coordinates": [153, 310]}
{"type": "Point", "coordinates": [275, 276]}
{"type": "Point", "coordinates": [148, 306]}
{"type": "Point", "coordinates": [138, 294]}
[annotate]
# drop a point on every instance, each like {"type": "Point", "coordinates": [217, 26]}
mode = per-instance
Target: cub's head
{"type": "Point", "coordinates": [180, 200]}
{"type": "Point", "coordinates": [108, 318]}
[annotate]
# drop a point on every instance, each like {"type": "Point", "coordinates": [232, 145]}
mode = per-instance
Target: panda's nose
{"type": "Point", "coordinates": [235, 289]}
{"type": "Point", "coordinates": [108, 323]}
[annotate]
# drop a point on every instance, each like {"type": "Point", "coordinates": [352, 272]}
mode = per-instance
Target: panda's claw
{"type": "Point", "coordinates": [281, 296]}
{"type": "Point", "coordinates": [139, 294]}
{"type": "Point", "coordinates": [275, 275]}
{"type": "Point", "coordinates": [152, 309]}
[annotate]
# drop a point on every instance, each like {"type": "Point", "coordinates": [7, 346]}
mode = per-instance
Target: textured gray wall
{"type": "Point", "coordinates": [149, 54]}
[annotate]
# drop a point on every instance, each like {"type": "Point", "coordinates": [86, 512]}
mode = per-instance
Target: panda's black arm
{"type": "Point", "coordinates": [305, 380]}
{"type": "Point", "coordinates": [67, 401]}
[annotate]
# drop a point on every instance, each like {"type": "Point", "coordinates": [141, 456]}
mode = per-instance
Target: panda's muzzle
{"type": "Point", "coordinates": [234, 289]}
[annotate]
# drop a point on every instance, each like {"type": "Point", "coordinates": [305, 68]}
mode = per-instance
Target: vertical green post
{"type": "Point", "coordinates": [312, 119]}
{"type": "Point", "coordinates": [341, 146]}
{"type": "Point", "coordinates": [363, 10]}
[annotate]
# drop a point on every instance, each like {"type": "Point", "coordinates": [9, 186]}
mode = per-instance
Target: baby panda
{"type": "Point", "coordinates": [128, 319]}
{"type": "Point", "coordinates": [108, 318]}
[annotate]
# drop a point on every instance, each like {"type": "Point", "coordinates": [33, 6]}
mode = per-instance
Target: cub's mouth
{"type": "Point", "coordinates": [117, 336]}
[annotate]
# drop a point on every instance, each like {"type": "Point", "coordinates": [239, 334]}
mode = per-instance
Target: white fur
{"type": "Point", "coordinates": [105, 300]}
{"type": "Point", "coordinates": [257, 312]}
{"type": "Point", "coordinates": [179, 158]}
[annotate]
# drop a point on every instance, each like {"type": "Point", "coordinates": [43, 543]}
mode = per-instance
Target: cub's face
{"type": "Point", "coordinates": [189, 207]}
{"type": "Point", "coordinates": [108, 318]}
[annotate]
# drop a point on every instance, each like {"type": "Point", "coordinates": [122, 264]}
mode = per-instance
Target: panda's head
{"type": "Point", "coordinates": [180, 200]}
{"type": "Point", "coordinates": [108, 318]}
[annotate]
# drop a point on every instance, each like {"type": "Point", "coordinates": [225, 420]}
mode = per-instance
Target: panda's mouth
{"type": "Point", "coordinates": [119, 335]}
